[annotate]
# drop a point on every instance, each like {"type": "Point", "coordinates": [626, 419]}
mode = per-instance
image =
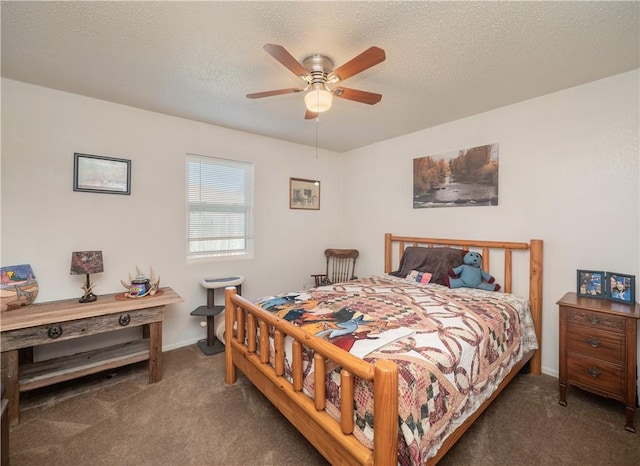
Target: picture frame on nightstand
{"type": "Point", "coordinates": [591, 284]}
{"type": "Point", "coordinates": [621, 287]}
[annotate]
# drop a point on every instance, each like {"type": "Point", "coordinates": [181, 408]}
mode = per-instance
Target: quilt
{"type": "Point", "coordinates": [452, 348]}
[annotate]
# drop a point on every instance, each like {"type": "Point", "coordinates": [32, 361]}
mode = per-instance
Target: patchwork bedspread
{"type": "Point", "coordinates": [452, 348]}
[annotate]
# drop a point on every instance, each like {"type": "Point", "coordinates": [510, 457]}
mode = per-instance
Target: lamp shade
{"type": "Point", "coordinates": [318, 100]}
{"type": "Point", "coordinates": [83, 262]}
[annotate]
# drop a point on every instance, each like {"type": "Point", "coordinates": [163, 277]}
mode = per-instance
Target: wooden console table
{"type": "Point", "coordinates": [40, 324]}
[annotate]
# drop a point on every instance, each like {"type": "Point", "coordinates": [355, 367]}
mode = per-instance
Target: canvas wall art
{"type": "Point", "coordinates": [467, 177]}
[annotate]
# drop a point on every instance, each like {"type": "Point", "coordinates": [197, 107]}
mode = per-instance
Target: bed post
{"type": "Point", "coordinates": [388, 257]}
{"type": "Point", "coordinates": [535, 299]}
{"type": "Point", "coordinates": [385, 426]}
{"type": "Point", "coordinates": [230, 375]}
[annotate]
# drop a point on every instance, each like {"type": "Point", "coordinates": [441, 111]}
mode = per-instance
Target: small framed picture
{"type": "Point", "coordinates": [97, 174]}
{"type": "Point", "coordinates": [304, 194]}
{"type": "Point", "coordinates": [621, 287]}
{"type": "Point", "coordinates": [591, 284]}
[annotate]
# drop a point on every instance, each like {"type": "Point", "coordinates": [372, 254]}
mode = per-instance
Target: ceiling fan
{"type": "Point", "coordinates": [317, 71]}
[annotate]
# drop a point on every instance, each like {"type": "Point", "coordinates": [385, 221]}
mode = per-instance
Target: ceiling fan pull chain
{"type": "Point", "coordinates": [317, 124]}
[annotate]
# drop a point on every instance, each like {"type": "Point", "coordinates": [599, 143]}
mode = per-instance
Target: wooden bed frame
{"type": "Point", "coordinates": [335, 439]}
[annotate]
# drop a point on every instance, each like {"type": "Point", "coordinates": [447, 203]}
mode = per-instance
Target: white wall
{"type": "Point", "coordinates": [44, 220]}
{"type": "Point", "coordinates": [569, 174]}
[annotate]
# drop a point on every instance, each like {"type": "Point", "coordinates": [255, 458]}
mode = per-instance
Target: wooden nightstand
{"type": "Point", "coordinates": [598, 349]}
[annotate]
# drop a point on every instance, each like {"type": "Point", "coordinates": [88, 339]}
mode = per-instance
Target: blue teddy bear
{"type": "Point", "coordinates": [471, 275]}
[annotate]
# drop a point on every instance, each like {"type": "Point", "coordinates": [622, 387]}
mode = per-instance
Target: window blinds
{"type": "Point", "coordinates": [219, 202]}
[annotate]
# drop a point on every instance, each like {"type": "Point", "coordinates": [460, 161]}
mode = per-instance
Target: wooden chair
{"type": "Point", "coordinates": [341, 266]}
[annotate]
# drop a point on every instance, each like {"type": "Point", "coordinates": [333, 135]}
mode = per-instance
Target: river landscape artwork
{"type": "Point", "coordinates": [467, 177]}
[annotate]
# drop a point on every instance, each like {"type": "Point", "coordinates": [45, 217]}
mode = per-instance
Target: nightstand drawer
{"type": "Point", "coordinates": [596, 320]}
{"type": "Point", "coordinates": [596, 343]}
{"type": "Point", "coordinates": [590, 374]}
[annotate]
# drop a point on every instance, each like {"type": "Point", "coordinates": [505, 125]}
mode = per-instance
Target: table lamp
{"type": "Point", "coordinates": [86, 262]}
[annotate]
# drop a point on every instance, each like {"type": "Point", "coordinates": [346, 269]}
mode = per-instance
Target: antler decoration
{"type": "Point", "coordinates": [154, 284]}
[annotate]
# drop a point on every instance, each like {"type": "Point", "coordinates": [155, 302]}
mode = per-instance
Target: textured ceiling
{"type": "Point", "coordinates": [198, 60]}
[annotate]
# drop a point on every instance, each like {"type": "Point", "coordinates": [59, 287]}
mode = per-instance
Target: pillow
{"type": "Point", "coordinates": [420, 277]}
{"type": "Point", "coordinates": [436, 261]}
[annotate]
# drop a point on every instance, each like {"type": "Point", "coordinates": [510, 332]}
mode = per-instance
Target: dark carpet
{"type": "Point", "coordinates": [192, 418]}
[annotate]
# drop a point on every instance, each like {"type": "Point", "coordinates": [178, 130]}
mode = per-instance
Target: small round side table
{"type": "Point", "coordinates": [211, 345]}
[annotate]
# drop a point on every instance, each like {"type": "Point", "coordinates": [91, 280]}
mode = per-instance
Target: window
{"type": "Point", "coordinates": [219, 204]}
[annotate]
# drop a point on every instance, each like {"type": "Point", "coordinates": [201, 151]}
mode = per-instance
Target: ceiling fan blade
{"type": "Point", "coordinates": [280, 53]}
{"type": "Point", "coordinates": [364, 97]}
{"type": "Point", "coordinates": [309, 115]}
{"type": "Point", "coordinates": [258, 95]}
{"type": "Point", "coordinates": [370, 57]}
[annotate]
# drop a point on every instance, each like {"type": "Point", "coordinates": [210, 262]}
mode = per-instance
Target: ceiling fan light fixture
{"type": "Point", "coordinates": [318, 100]}
{"type": "Point", "coordinates": [317, 72]}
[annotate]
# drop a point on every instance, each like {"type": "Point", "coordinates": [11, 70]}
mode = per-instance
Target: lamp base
{"type": "Point", "coordinates": [88, 298]}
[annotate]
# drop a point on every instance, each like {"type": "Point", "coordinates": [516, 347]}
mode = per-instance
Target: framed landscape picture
{"type": "Point", "coordinates": [97, 174]}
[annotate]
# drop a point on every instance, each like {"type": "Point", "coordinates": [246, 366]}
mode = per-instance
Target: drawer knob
{"type": "Point", "coordinates": [54, 332]}
{"type": "Point", "coordinates": [594, 342]}
{"type": "Point", "coordinates": [595, 320]}
{"type": "Point", "coordinates": [594, 372]}
{"type": "Point", "coordinates": [124, 320]}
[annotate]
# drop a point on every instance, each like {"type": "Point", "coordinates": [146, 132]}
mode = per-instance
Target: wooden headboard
{"type": "Point", "coordinates": [395, 245]}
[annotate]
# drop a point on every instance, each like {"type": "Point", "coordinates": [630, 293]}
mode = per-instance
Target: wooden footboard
{"type": "Point", "coordinates": [247, 330]}
{"type": "Point", "coordinates": [333, 439]}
